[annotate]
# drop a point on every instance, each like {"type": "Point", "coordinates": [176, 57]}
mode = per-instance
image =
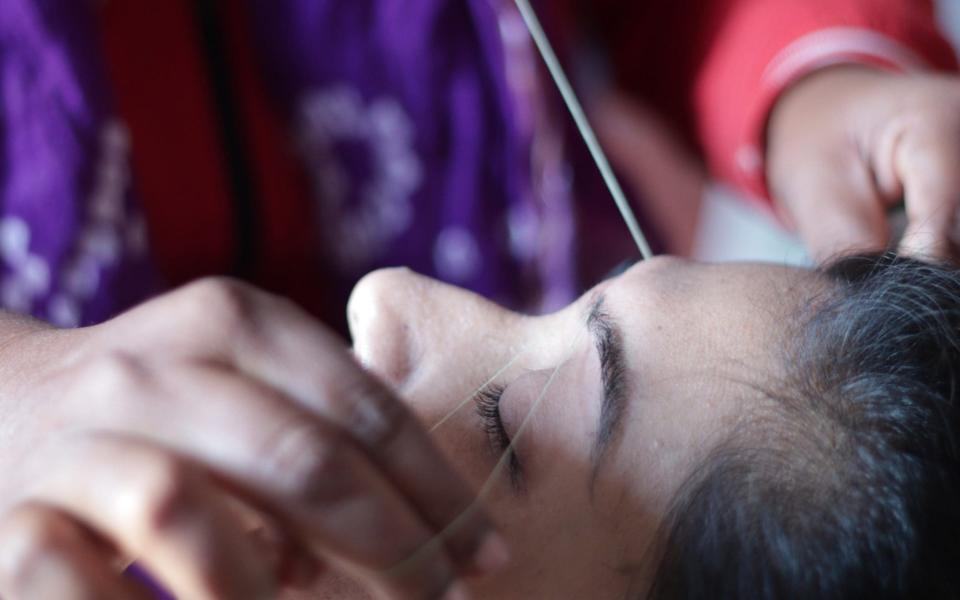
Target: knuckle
{"type": "Point", "coordinates": [115, 373]}
{"type": "Point", "coordinates": [219, 302]}
{"type": "Point", "coordinates": [313, 465]}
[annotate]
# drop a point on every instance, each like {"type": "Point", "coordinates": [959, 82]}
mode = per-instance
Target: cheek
{"type": "Point", "coordinates": [564, 547]}
{"type": "Point", "coordinates": [558, 410]}
{"type": "Point", "coordinates": [561, 550]}
{"type": "Point", "coordinates": [446, 408]}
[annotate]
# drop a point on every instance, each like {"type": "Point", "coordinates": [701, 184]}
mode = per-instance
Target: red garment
{"type": "Point", "coordinates": [715, 68]}
{"type": "Point", "coordinates": [167, 102]}
{"type": "Point", "coordinates": [712, 68]}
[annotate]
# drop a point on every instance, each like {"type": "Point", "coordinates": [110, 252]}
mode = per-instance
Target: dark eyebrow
{"type": "Point", "coordinates": [613, 375]}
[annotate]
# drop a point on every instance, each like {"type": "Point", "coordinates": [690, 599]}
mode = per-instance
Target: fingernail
{"type": "Point", "coordinates": [457, 591]}
{"type": "Point", "coordinates": [492, 555]}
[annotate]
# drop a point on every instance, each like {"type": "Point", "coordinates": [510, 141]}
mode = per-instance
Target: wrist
{"type": "Point", "coordinates": [26, 346]}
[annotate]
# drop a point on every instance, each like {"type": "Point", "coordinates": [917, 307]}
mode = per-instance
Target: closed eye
{"type": "Point", "coordinates": [613, 374]}
{"type": "Point", "coordinates": [487, 401]}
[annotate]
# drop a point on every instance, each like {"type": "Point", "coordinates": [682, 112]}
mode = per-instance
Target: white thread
{"type": "Point", "coordinates": [435, 543]}
{"type": "Point", "coordinates": [583, 124]}
{"type": "Point", "coordinates": [482, 387]}
{"type": "Point", "coordinates": [501, 464]}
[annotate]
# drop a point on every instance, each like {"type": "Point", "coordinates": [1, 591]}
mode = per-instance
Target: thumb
{"type": "Point", "coordinates": [929, 168]}
{"type": "Point", "coordinates": [836, 210]}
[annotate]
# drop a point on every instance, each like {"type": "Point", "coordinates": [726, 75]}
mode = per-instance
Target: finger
{"type": "Point", "coordinates": [157, 510]}
{"type": "Point", "coordinates": [290, 351]}
{"type": "Point", "coordinates": [295, 566]}
{"type": "Point", "coordinates": [836, 210]}
{"type": "Point", "coordinates": [928, 164]}
{"type": "Point", "coordinates": [295, 466]}
{"type": "Point", "coordinates": [320, 484]}
{"type": "Point", "coordinates": [45, 554]}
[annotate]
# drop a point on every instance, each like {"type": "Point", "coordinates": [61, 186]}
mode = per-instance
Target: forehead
{"type": "Point", "coordinates": [739, 300]}
{"type": "Point", "coordinates": [702, 342]}
{"type": "Point", "coordinates": [669, 275]}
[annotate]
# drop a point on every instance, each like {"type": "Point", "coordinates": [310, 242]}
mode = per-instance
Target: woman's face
{"type": "Point", "coordinates": [637, 378]}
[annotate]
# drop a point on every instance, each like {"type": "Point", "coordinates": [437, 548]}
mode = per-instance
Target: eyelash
{"type": "Point", "coordinates": [488, 409]}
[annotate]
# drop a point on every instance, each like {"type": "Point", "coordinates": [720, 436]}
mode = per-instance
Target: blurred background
{"type": "Point", "coordinates": [731, 229]}
{"type": "Point", "coordinates": [263, 146]}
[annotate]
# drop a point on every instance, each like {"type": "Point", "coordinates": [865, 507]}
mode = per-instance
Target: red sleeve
{"type": "Point", "coordinates": [754, 49]}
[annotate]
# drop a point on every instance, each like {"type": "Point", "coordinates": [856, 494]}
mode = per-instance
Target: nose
{"type": "Point", "coordinates": [380, 324]}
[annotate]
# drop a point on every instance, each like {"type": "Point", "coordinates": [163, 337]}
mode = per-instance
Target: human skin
{"type": "Point", "coordinates": [697, 340]}
{"type": "Point", "coordinates": [844, 145]}
{"type": "Point", "coordinates": [136, 438]}
{"type": "Point", "coordinates": [847, 143]}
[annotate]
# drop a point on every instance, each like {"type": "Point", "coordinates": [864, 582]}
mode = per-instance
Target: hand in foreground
{"type": "Point", "coordinates": [848, 143]}
{"type": "Point", "coordinates": [131, 440]}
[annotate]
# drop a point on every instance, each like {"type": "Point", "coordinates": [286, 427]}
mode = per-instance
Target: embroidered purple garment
{"type": "Point", "coordinates": [421, 124]}
{"type": "Point", "coordinates": [419, 143]}
{"type": "Point", "coordinates": [73, 247]}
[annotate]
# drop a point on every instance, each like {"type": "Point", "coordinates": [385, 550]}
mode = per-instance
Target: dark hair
{"type": "Point", "coordinates": [846, 484]}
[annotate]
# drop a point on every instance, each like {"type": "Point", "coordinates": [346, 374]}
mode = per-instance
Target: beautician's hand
{"type": "Point", "coordinates": [131, 440]}
{"type": "Point", "coordinates": [848, 143]}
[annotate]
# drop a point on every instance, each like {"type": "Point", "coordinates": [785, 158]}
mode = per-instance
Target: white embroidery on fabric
{"type": "Point", "coordinates": [14, 240]}
{"type": "Point", "coordinates": [523, 226]}
{"type": "Point", "coordinates": [359, 213]}
{"type": "Point", "coordinates": [456, 254]}
{"type": "Point", "coordinates": [64, 310]}
{"type": "Point", "coordinates": [109, 230]}
{"type": "Point", "coordinates": [36, 274]}
{"type": "Point", "coordinates": [29, 275]}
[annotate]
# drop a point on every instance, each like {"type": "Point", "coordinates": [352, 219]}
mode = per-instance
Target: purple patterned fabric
{"type": "Point", "coordinates": [418, 153]}
{"type": "Point", "coordinates": [72, 244]}
{"type": "Point", "coordinates": [419, 121]}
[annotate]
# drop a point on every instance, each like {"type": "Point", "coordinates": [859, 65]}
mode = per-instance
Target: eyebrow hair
{"type": "Point", "coordinates": [613, 375]}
